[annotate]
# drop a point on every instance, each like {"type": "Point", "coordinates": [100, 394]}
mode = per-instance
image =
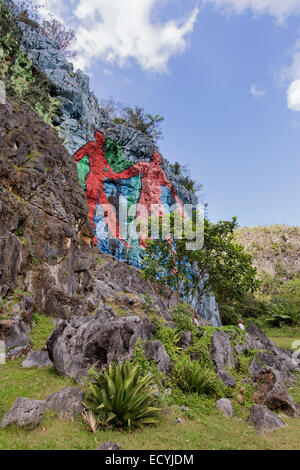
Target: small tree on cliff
{"type": "Point", "coordinates": [221, 267]}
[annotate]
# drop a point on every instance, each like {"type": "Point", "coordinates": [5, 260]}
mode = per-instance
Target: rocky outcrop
{"type": "Point", "coordinates": [45, 233]}
{"type": "Point", "coordinates": [37, 359]}
{"type": "Point", "coordinates": [25, 413]}
{"type": "Point", "coordinates": [272, 392]}
{"type": "Point", "coordinates": [225, 406]}
{"type": "Point", "coordinates": [263, 420]}
{"type": "Point", "coordinates": [221, 352]}
{"type": "Point", "coordinates": [66, 402]}
{"type": "Point", "coordinates": [226, 378]}
{"type": "Point", "coordinates": [96, 341]}
{"type": "Point", "coordinates": [155, 351]}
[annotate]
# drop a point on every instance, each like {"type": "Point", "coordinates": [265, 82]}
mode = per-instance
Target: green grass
{"type": "Point", "coordinates": [208, 430]}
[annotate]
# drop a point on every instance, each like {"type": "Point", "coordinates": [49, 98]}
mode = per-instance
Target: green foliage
{"type": "Point", "coordinates": [196, 378]}
{"type": "Point", "coordinates": [22, 79]}
{"type": "Point", "coordinates": [182, 315]}
{"type": "Point", "coordinates": [221, 266]}
{"type": "Point", "coordinates": [281, 312]}
{"type": "Point", "coordinates": [121, 396]}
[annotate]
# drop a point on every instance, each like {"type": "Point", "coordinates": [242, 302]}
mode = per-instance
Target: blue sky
{"type": "Point", "coordinates": [227, 83]}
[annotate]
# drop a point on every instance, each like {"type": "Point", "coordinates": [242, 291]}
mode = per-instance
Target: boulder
{"type": "Point", "coordinates": [18, 331]}
{"type": "Point", "coordinates": [14, 353]}
{"type": "Point", "coordinates": [272, 392]}
{"type": "Point", "coordinates": [225, 406]}
{"type": "Point", "coordinates": [263, 420]}
{"type": "Point", "coordinates": [226, 378]}
{"type": "Point", "coordinates": [185, 340]}
{"type": "Point", "coordinates": [221, 351]}
{"type": "Point", "coordinates": [77, 345]}
{"type": "Point", "coordinates": [155, 351]}
{"type": "Point", "coordinates": [110, 446]}
{"type": "Point", "coordinates": [38, 359]}
{"type": "Point", "coordinates": [66, 402]}
{"type": "Point", "coordinates": [25, 413]}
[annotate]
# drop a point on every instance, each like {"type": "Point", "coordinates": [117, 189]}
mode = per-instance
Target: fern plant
{"type": "Point", "coordinates": [121, 396]}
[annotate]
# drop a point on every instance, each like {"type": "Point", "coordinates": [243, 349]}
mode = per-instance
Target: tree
{"type": "Point", "coordinates": [221, 267]}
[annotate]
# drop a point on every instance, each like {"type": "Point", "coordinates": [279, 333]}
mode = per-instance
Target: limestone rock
{"type": "Point", "coordinates": [110, 446]}
{"type": "Point", "coordinates": [38, 359]}
{"type": "Point", "coordinates": [226, 378]}
{"type": "Point", "coordinates": [155, 351]}
{"type": "Point", "coordinates": [66, 402]}
{"type": "Point", "coordinates": [225, 406]}
{"type": "Point", "coordinates": [25, 413]}
{"type": "Point", "coordinates": [272, 392]}
{"type": "Point", "coordinates": [221, 350]}
{"type": "Point", "coordinates": [263, 420]}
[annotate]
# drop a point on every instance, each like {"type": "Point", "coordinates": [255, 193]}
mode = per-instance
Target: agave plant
{"type": "Point", "coordinates": [121, 396]}
{"type": "Point", "coordinates": [196, 378]}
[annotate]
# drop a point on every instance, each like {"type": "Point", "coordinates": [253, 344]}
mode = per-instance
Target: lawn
{"type": "Point", "coordinates": [204, 432]}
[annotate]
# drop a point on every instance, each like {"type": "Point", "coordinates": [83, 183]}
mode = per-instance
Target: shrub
{"type": "Point", "coordinates": [182, 316]}
{"type": "Point", "coordinates": [121, 396]}
{"type": "Point", "coordinates": [283, 312]}
{"type": "Point", "coordinates": [196, 378]}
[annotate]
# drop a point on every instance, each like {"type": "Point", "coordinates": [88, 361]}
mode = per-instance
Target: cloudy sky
{"type": "Point", "coordinates": [225, 74]}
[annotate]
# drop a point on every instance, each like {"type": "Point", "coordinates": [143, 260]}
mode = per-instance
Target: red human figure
{"type": "Point", "coordinates": [153, 178]}
{"type": "Point", "coordinates": [99, 170]}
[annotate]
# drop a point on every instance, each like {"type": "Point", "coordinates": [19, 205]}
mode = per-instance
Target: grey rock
{"type": "Point", "coordinates": [185, 340]}
{"type": "Point", "coordinates": [17, 333]}
{"type": "Point", "coordinates": [226, 378]}
{"type": "Point", "coordinates": [66, 402]}
{"type": "Point", "coordinates": [240, 349]}
{"type": "Point", "coordinates": [38, 359]}
{"type": "Point", "coordinates": [155, 351]}
{"type": "Point", "coordinates": [76, 345]}
{"type": "Point", "coordinates": [221, 350]}
{"type": "Point", "coordinates": [263, 420]}
{"type": "Point", "coordinates": [25, 413]}
{"type": "Point", "coordinates": [272, 392]}
{"type": "Point", "coordinates": [110, 446]}
{"type": "Point", "coordinates": [14, 353]}
{"type": "Point", "coordinates": [225, 406]}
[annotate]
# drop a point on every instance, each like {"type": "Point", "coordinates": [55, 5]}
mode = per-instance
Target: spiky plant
{"type": "Point", "coordinates": [121, 396]}
{"type": "Point", "coordinates": [196, 378]}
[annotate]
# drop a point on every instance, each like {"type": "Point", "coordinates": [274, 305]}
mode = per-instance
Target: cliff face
{"type": "Point", "coordinates": [274, 249]}
{"type": "Point", "coordinates": [49, 223]}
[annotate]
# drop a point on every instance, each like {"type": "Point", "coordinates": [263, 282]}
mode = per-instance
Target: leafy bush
{"type": "Point", "coordinates": [121, 396]}
{"type": "Point", "coordinates": [196, 378]}
{"type": "Point", "coordinates": [283, 312]}
{"type": "Point", "coordinates": [182, 316]}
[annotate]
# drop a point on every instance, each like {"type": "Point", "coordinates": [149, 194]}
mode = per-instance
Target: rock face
{"type": "Point", "coordinates": [272, 392]}
{"type": "Point", "coordinates": [45, 234]}
{"type": "Point", "coordinates": [38, 359]}
{"type": "Point", "coordinates": [155, 351]}
{"type": "Point", "coordinates": [77, 345]}
{"type": "Point", "coordinates": [263, 420]}
{"type": "Point", "coordinates": [225, 406]}
{"type": "Point", "coordinates": [66, 402]}
{"type": "Point", "coordinates": [226, 378]}
{"type": "Point", "coordinates": [25, 413]}
{"type": "Point", "coordinates": [221, 350]}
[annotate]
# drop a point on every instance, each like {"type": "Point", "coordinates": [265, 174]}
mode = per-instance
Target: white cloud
{"type": "Point", "coordinates": [255, 92]}
{"type": "Point", "coordinates": [293, 96]}
{"type": "Point", "coordinates": [279, 9]}
{"type": "Point", "coordinates": [117, 31]}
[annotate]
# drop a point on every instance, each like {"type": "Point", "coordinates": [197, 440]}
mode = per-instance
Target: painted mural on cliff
{"type": "Point", "coordinates": [112, 183]}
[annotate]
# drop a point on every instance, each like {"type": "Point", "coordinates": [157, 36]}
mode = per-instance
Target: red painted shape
{"type": "Point", "coordinates": [152, 179]}
{"type": "Point", "coordinates": [99, 170]}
